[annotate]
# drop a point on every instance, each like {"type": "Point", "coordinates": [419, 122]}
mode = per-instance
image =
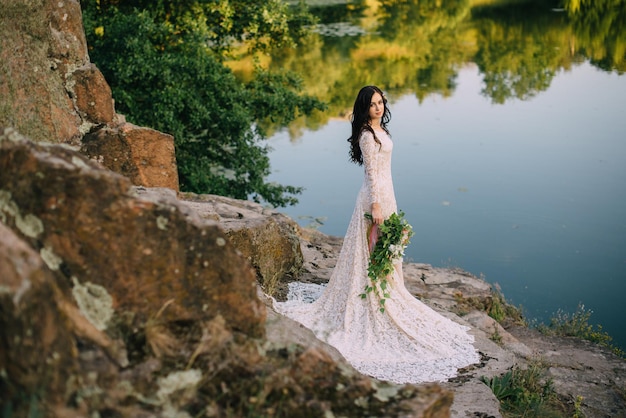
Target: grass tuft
{"type": "Point", "coordinates": [577, 325]}
{"type": "Point", "coordinates": [526, 392]}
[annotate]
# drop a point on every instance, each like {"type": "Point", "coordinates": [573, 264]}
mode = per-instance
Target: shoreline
{"type": "Point", "coordinates": [576, 366]}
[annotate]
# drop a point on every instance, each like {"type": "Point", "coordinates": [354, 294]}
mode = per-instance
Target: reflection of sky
{"type": "Point", "coordinates": [530, 193]}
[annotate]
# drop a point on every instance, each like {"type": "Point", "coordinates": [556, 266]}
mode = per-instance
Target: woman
{"type": "Point", "coordinates": [408, 342]}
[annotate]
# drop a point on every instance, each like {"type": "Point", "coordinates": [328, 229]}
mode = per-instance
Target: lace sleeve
{"type": "Point", "coordinates": [370, 150]}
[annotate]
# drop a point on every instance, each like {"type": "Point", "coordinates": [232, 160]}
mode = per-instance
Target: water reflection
{"type": "Point", "coordinates": [417, 47]}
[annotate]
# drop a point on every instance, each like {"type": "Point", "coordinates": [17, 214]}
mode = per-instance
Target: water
{"type": "Point", "coordinates": [529, 194]}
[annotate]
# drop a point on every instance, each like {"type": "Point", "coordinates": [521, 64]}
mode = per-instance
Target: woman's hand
{"type": "Point", "coordinates": [377, 214]}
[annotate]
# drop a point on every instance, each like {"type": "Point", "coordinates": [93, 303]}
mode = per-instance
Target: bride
{"type": "Point", "coordinates": [408, 342]}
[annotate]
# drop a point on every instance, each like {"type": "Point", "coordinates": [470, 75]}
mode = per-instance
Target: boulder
{"type": "Point", "coordinates": [269, 240]}
{"type": "Point", "coordinates": [37, 350]}
{"type": "Point", "coordinates": [147, 157]}
{"type": "Point", "coordinates": [67, 45]}
{"type": "Point", "coordinates": [92, 95]}
{"type": "Point", "coordinates": [123, 301]}
{"type": "Point", "coordinates": [41, 42]}
{"type": "Point", "coordinates": [119, 252]}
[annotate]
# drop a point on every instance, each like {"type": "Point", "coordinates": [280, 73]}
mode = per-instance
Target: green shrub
{"type": "Point", "coordinates": [577, 325]}
{"type": "Point", "coordinates": [165, 75]}
{"type": "Point", "coordinates": [501, 310]}
{"type": "Point", "coordinates": [526, 392]}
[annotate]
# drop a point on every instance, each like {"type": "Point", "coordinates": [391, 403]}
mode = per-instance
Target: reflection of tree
{"type": "Point", "coordinates": [519, 51]}
{"type": "Point", "coordinates": [413, 47]}
{"type": "Point", "coordinates": [398, 16]}
{"type": "Point", "coordinates": [600, 27]}
{"type": "Point", "coordinates": [341, 12]}
{"type": "Point", "coordinates": [417, 47]}
{"type": "Point", "coordinates": [431, 31]}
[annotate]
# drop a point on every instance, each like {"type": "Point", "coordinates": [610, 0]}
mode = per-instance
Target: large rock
{"type": "Point", "coordinates": [76, 213]}
{"type": "Point", "coordinates": [269, 240]}
{"type": "Point", "coordinates": [123, 301]}
{"type": "Point", "coordinates": [42, 42]}
{"type": "Point", "coordinates": [50, 91]}
{"type": "Point", "coordinates": [147, 157]}
{"type": "Point", "coordinates": [67, 45]}
{"type": "Point", "coordinates": [92, 95]}
{"type": "Point", "coordinates": [36, 350]}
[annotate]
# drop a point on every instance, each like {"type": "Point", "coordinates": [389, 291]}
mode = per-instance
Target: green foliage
{"type": "Point", "coordinates": [497, 311]}
{"type": "Point", "coordinates": [164, 76]}
{"type": "Point", "coordinates": [502, 386]}
{"type": "Point", "coordinates": [272, 97]}
{"type": "Point", "coordinates": [577, 325]}
{"type": "Point", "coordinates": [501, 311]}
{"type": "Point", "coordinates": [263, 25]}
{"type": "Point", "coordinates": [393, 237]}
{"type": "Point", "coordinates": [525, 392]}
{"type": "Point", "coordinates": [402, 15]}
{"type": "Point", "coordinates": [578, 402]}
{"type": "Point", "coordinates": [515, 58]}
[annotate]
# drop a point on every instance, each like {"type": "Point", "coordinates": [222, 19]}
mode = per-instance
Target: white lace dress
{"type": "Point", "coordinates": [409, 342]}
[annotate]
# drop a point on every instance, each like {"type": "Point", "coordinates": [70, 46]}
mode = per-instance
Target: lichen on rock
{"type": "Point", "coordinates": [52, 260]}
{"type": "Point", "coordinates": [94, 302]}
{"type": "Point", "coordinates": [161, 222]}
{"type": "Point", "coordinates": [177, 381]}
{"type": "Point", "coordinates": [29, 224]}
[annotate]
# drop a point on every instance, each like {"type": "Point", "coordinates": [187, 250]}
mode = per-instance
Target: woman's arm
{"type": "Point", "coordinates": [370, 150]}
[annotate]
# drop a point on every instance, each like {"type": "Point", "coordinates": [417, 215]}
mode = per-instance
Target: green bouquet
{"type": "Point", "coordinates": [386, 243]}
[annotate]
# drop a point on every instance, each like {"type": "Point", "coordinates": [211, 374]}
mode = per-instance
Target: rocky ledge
{"type": "Point", "coordinates": [577, 368]}
{"type": "Point", "coordinates": [125, 301]}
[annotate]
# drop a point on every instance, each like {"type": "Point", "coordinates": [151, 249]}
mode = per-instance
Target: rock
{"type": "Point", "coordinates": [282, 331]}
{"type": "Point", "coordinates": [76, 211]}
{"type": "Point", "coordinates": [41, 41]}
{"type": "Point", "coordinates": [123, 301]}
{"type": "Point", "coordinates": [269, 240]}
{"type": "Point", "coordinates": [37, 350]}
{"type": "Point", "coordinates": [92, 96]}
{"type": "Point", "coordinates": [580, 368]}
{"type": "Point", "coordinates": [320, 252]}
{"type": "Point", "coordinates": [50, 92]}
{"type": "Point", "coordinates": [147, 157]}
{"type": "Point", "coordinates": [474, 399]}
{"type": "Point", "coordinates": [67, 42]}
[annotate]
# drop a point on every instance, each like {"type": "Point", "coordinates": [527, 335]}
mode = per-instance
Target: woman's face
{"type": "Point", "coordinates": [377, 107]}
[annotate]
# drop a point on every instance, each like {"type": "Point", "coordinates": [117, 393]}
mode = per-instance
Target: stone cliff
{"type": "Point", "coordinates": [50, 91]}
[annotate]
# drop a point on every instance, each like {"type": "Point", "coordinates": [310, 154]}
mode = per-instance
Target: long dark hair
{"type": "Point", "coordinates": [360, 120]}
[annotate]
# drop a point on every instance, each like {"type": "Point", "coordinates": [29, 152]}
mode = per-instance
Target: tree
{"type": "Point", "coordinates": [163, 61]}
